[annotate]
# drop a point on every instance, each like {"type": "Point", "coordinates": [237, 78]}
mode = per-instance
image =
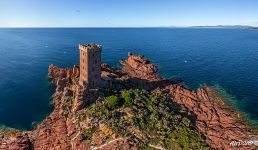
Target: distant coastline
{"type": "Point", "coordinates": [227, 27]}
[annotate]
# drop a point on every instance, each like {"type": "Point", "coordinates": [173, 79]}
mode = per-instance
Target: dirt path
{"type": "Point", "coordinates": [102, 146]}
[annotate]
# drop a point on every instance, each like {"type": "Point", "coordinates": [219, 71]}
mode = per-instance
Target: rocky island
{"type": "Point", "coordinates": [99, 107]}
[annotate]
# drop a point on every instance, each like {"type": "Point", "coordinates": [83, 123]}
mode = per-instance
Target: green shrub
{"type": "Point", "coordinates": [113, 102]}
{"type": "Point", "coordinates": [127, 97]}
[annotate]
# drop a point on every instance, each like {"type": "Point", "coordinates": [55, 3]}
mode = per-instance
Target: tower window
{"type": "Point", "coordinates": [92, 69]}
{"type": "Point", "coordinates": [96, 61]}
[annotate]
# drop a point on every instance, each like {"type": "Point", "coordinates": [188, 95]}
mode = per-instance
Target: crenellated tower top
{"type": "Point", "coordinates": [90, 47]}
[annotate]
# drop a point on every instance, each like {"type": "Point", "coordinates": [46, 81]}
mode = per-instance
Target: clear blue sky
{"type": "Point", "coordinates": [126, 13]}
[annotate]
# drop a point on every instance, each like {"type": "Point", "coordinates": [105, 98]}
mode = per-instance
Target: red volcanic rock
{"type": "Point", "coordinates": [80, 97]}
{"type": "Point", "coordinates": [219, 125]}
{"type": "Point", "coordinates": [140, 67]}
{"type": "Point", "coordinates": [22, 142]}
{"type": "Point", "coordinates": [62, 131]}
{"type": "Point", "coordinates": [55, 73]}
{"type": "Point", "coordinates": [217, 122]}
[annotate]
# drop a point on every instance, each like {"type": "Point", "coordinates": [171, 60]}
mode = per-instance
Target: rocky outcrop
{"type": "Point", "coordinates": [21, 142]}
{"type": "Point", "coordinates": [62, 131]}
{"type": "Point", "coordinates": [140, 67]}
{"type": "Point", "coordinates": [218, 123]}
{"type": "Point", "coordinates": [58, 129]}
{"type": "Point", "coordinates": [62, 75]}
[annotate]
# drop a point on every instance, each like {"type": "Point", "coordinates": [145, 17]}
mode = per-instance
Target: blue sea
{"type": "Point", "coordinates": [224, 57]}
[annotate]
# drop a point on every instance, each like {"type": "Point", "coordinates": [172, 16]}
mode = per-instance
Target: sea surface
{"type": "Point", "coordinates": [224, 57]}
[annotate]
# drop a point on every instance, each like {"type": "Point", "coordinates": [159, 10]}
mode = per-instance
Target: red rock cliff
{"type": "Point", "coordinates": [140, 67]}
{"type": "Point", "coordinates": [61, 130]}
{"type": "Point", "coordinates": [217, 122]}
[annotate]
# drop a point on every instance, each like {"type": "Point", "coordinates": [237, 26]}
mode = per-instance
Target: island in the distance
{"type": "Point", "coordinates": [99, 107]}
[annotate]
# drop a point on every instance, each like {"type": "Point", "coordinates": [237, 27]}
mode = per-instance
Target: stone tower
{"type": "Point", "coordinates": [90, 61]}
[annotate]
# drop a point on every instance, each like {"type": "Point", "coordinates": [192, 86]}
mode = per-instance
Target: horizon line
{"type": "Point", "coordinates": [251, 26]}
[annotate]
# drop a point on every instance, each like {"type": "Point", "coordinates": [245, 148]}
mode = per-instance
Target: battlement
{"type": "Point", "coordinates": [90, 47]}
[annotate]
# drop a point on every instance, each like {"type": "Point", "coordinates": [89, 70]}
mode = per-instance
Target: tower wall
{"type": "Point", "coordinates": [90, 61]}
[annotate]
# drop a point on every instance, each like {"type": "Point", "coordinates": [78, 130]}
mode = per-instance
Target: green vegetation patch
{"type": "Point", "coordinates": [113, 102]}
{"type": "Point", "coordinates": [147, 118]}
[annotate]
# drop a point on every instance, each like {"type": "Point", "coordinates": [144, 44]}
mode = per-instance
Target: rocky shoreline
{"type": "Point", "coordinates": [63, 128]}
